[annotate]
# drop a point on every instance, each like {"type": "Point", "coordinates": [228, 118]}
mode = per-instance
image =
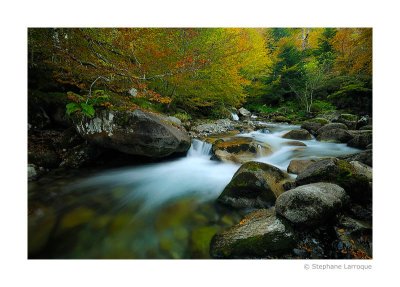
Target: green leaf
{"type": "Point", "coordinates": [72, 108]}
{"type": "Point", "coordinates": [88, 110]}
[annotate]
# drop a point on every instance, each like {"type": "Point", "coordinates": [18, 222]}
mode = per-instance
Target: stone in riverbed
{"type": "Point", "coordinates": [353, 180]}
{"type": "Point", "coordinates": [297, 166]}
{"type": "Point", "coordinates": [239, 149]}
{"type": "Point", "coordinates": [365, 157]}
{"type": "Point", "coordinates": [258, 235]}
{"type": "Point", "coordinates": [361, 140]}
{"type": "Point", "coordinates": [331, 126]}
{"type": "Point", "coordinates": [294, 143]}
{"type": "Point", "coordinates": [334, 135]}
{"type": "Point", "coordinates": [134, 132]}
{"type": "Point", "coordinates": [311, 204]}
{"type": "Point", "coordinates": [244, 113]}
{"type": "Point", "coordinates": [300, 134]}
{"type": "Point", "coordinates": [255, 184]}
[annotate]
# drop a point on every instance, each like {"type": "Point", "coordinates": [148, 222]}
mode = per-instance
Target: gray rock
{"type": "Point", "coordinates": [243, 112]}
{"type": "Point", "coordinates": [258, 235]}
{"type": "Point", "coordinates": [362, 169]}
{"type": "Point", "coordinates": [331, 126]}
{"type": "Point", "coordinates": [255, 184]}
{"type": "Point", "coordinates": [300, 134]}
{"type": "Point", "coordinates": [366, 128]}
{"type": "Point", "coordinates": [364, 157]}
{"type": "Point", "coordinates": [334, 135]}
{"type": "Point", "coordinates": [32, 173]}
{"type": "Point", "coordinates": [311, 204]}
{"type": "Point", "coordinates": [134, 132]}
{"type": "Point", "coordinates": [312, 127]}
{"type": "Point", "coordinates": [361, 140]}
{"type": "Point", "coordinates": [297, 166]}
{"type": "Point", "coordinates": [175, 120]}
{"type": "Point", "coordinates": [349, 120]}
{"type": "Point", "coordinates": [340, 172]}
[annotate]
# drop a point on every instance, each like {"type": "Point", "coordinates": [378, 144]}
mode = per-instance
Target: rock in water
{"type": "Point", "coordinates": [297, 166]}
{"type": "Point", "coordinates": [331, 126]}
{"type": "Point", "coordinates": [334, 135]}
{"type": "Point", "coordinates": [255, 184]}
{"type": "Point", "coordinates": [353, 180]}
{"type": "Point", "coordinates": [300, 134]}
{"type": "Point", "coordinates": [361, 140]}
{"type": "Point", "coordinates": [239, 149]}
{"type": "Point", "coordinates": [134, 132]}
{"type": "Point", "coordinates": [258, 235]}
{"type": "Point", "coordinates": [311, 204]}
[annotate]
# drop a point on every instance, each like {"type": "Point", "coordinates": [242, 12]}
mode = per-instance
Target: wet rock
{"type": "Point", "coordinates": [331, 126]}
{"type": "Point", "coordinates": [361, 140]}
{"type": "Point", "coordinates": [364, 157]}
{"type": "Point", "coordinates": [281, 119]}
{"type": "Point", "coordinates": [340, 172]}
{"type": "Point", "coordinates": [349, 120]}
{"type": "Point", "coordinates": [312, 127]}
{"type": "Point", "coordinates": [260, 234]}
{"type": "Point", "coordinates": [297, 166]}
{"type": "Point", "coordinates": [334, 135]}
{"type": "Point", "coordinates": [134, 132]}
{"type": "Point", "coordinates": [255, 184]}
{"type": "Point", "coordinates": [217, 127]}
{"type": "Point", "coordinates": [362, 169]}
{"type": "Point", "coordinates": [300, 134]}
{"type": "Point", "coordinates": [294, 143]}
{"type": "Point", "coordinates": [311, 204]}
{"type": "Point", "coordinates": [239, 149]}
{"type": "Point", "coordinates": [199, 242]}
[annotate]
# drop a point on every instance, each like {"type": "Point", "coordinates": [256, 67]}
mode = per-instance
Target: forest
{"type": "Point", "coordinates": [199, 143]}
{"type": "Point", "coordinates": [190, 72]}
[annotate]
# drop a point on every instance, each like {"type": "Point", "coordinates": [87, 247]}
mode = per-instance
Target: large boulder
{"type": "Point", "coordinates": [331, 126]}
{"type": "Point", "coordinates": [349, 120]}
{"type": "Point", "coordinates": [255, 184]}
{"type": "Point", "coordinates": [313, 125]}
{"type": "Point", "coordinates": [300, 134]}
{"type": "Point", "coordinates": [334, 135]}
{"type": "Point", "coordinates": [204, 129]}
{"type": "Point", "coordinates": [260, 234]}
{"type": "Point", "coordinates": [340, 172]}
{"type": "Point", "coordinates": [239, 149]}
{"type": "Point", "coordinates": [311, 204]}
{"type": "Point", "coordinates": [361, 139]}
{"type": "Point", "coordinates": [297, 166]}
{"type": "Point", "coordinates": [134, 132]}
{"type": "Point", "coordinates": [364, 157]}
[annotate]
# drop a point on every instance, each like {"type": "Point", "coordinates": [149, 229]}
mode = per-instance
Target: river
{"type": "Point", "coordinates": [159, 210]}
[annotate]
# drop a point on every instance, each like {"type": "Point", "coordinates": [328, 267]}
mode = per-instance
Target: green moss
{"type": "Point", "coordinates": [320, 121]}
{"type": "Point", "coordinates": [348, 117]}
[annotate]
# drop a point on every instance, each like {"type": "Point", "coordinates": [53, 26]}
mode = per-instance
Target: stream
{"type": "Point", "coordinates": [157, 210]}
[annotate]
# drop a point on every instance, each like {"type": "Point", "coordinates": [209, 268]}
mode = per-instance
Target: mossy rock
{"type": "Point", "coordinates": [348, 117]}
{"type": "Point", "coordinates": [321, 121]}
{"type": "Point", "coordinates": [255, 184]}
{"type": "Point", "coordinates": [199, 242]}
{"type": "Point", "coordinates": [281, 119]}
{"type": "Point", "coordinates": [300, 134]}
{"type": "Point", "coordinates": [341, 173]}
{"type": "Point", "coordinates": [260, 234]}
{"type": "Point", "coordinates": [334, 135]}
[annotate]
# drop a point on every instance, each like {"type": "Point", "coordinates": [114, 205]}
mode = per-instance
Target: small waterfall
{"type": "Point", "coordinates": [235, 117]}
{"type": "Point", "coordinates": [199, 148]}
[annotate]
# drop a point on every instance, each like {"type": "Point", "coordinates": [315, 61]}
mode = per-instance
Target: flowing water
{"type": "Point", "coordinates": [159, 210]}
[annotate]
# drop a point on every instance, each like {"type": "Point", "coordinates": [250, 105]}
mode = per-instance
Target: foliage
{"type": "Point", "coordinates": [87, 105]}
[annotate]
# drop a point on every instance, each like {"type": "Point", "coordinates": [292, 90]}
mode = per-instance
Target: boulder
{"type": "Point", "coordinates": [334, 135]}
{"type": "Point", "coordinates": [244, 113]}
{"type": "Point", "coordinates": [281, 119]}
{"type": "Point", "coordinates": [239, 149]}
{"type": "Point", "coordinates": [134, 132]}
{"type": "Point", "coordinates": [364, 157]}
{"type": "Point", "coordinates": [255, 184]}
{"type": "Point", "coordinates": [331, 126]}
{"type": "Point", "coordinates": [349, 120]}
{"type": "Point", "coordinates": [341, 172]}
{"type": "Point", "coordinates": [260, 234]}
{"type": "Point", "coordinates": [312, 204]}
{"type": "Point", "coordinates": [366, 128]}
{"type": "Point", "coordinates": [300, 134]}
{"type": "Point", "coordinates": [204, 129]}
{"type": "Point", "coordinates": [361, 140]}
{"type": "Point", "coordinates": [362, 169]}
{"type": "Point", "coordinates": [297, 166]}
{"type": "Point", "coordinates": [32, 173]}
{"type": "Point", "coordinates": [363, 121]}
{"type": "Point", "coordinates": [294, 143]}
{"type": "Point", "coordinates": [312, 127]}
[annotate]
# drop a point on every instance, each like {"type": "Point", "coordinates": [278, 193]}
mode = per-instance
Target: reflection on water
{"type": "Point", "coordinates": [161, 210]}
